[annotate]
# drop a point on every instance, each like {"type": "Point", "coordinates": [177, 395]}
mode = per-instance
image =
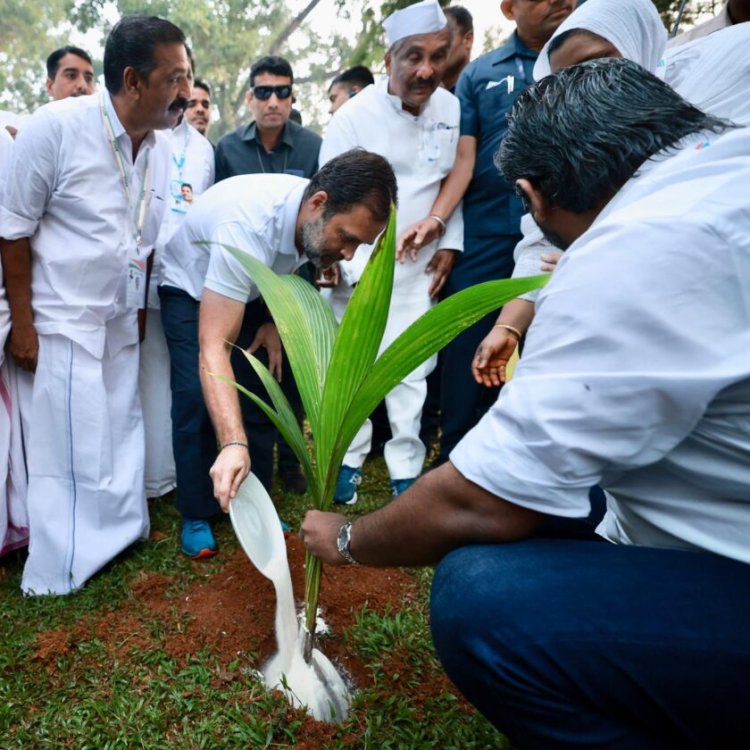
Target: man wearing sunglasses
{"type": "Point", "coordinates": [270, 143]}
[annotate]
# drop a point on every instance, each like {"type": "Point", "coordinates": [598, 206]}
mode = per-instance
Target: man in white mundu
{"type": "Point", "coordinates": [191, 164]}
{"type": "Point", "coordinates": [407, 119]}
{"type": "Point", "coordinates": [14, 531]}
{"type": "Point", "coordinates": [86, 195]}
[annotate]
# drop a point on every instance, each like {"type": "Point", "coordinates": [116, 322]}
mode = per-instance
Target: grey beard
{"type": "Point", "coordinates": [312, 241]}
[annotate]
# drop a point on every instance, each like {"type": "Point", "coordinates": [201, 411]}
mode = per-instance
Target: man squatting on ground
{"type": "Point", "coordinates": [636, 377]}
{"type": "Point", "coordinates": [281, 220]}
{"type": "Point", "coordinates": [81, 213]}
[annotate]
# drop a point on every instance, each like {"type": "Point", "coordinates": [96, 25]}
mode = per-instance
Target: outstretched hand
{"type": "Point", "coordinates": [491, 358]}
{"type": "Point", "coordinates": [417, 236]}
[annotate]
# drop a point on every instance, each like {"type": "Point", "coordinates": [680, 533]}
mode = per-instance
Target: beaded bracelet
{"type": "Point", "coordinates": [235, 442]}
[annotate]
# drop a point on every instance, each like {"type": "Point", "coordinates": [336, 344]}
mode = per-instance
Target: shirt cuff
{"type": "Point", "coordinates": [14, 227]}
{"type": "Point", "coordinates": [492, 457]}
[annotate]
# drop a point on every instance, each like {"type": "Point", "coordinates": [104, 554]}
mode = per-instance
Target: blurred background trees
{"type": "Point", "coordinates": [319, 37]}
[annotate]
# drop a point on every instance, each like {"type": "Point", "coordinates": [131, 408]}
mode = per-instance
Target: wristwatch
{"type": "Point", "coordinates": [342, 543]}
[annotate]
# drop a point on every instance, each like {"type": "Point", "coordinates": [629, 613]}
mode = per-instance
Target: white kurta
{"type": "Point", "coordinates": [192, 163]}
{"type": "Point", "coordinates": [421, 151]}
{"type": "Point", "coordinates": [636, 372]}
{"type": "Point", "coordinates": [712, 72]}
{"type": "Point", "coordinates": [720, 21]}
{"type": "Point", "coordinates": [86, 499]}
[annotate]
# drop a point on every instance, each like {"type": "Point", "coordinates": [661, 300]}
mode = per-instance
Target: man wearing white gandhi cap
{"type": "Point", "coordinates": [407, 119]}
{"type": "Point", "coordinates": [425, 17]}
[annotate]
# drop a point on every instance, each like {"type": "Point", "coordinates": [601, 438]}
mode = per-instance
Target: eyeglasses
{"type": "Point", "coordinates": [264, 92]}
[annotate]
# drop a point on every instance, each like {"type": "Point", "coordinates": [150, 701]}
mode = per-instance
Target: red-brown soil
{"type": "Point", "coordinates": [231, 614]}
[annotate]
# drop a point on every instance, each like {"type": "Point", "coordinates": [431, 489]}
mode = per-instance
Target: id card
{"type": "Point", "coordinates": [136, 287]}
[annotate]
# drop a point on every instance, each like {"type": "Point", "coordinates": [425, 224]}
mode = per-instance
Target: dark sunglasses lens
{"type": "Point", "coordinates": [264, 92]}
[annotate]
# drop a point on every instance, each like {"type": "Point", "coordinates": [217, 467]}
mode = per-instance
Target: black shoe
{"type": "Point", "coordinates": [293, 480]}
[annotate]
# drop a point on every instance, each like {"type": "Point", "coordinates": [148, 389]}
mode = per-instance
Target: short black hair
{"type": "Point", "coordinates": [131, 44]}
{"type": "Point", "coordinates": [198, 84]}
{"type": "Point", "coordinates": [359, 75]}
{"type": "Point", "coordinates": [53, 61]}
{"type": "Point", "coordinates": [273, 64]}
{"type": "Point", "coordinates": [353, 178]}
{"type": "Point", "coordinates": [580, 135]}
{"type": "Point", "coordinates": [464, 20]}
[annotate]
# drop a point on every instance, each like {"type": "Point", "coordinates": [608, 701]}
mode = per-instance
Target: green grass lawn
{"type": "Point", "coordinates": [85, 694]}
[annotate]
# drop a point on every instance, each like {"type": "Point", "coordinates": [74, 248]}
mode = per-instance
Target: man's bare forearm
{"type": "Point", "coordinates": [221, 397]}
{"type": "Point", "coordinates": [456, 183]}
{"type": "Point", "coordinates": [16, 257]}
{"type": "Point", "coordinates": [439, 513]}
{"type": "Point", "coordinates": [518, 313]}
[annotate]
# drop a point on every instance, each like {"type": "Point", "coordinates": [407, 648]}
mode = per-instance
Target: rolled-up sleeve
{"type": "Point", "coordinates": [634, 337]}
{"type": "Point", "coordinates": [226, 275]}
{"type": "Point", "coordinates": [31, 177]}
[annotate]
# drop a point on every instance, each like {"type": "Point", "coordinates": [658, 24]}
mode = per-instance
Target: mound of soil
{"type": "Point", "coordinates": [231, 614]}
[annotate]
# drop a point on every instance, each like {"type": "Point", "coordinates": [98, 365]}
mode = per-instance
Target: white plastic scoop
{"type": "Point", "coordinates": [314, 684]}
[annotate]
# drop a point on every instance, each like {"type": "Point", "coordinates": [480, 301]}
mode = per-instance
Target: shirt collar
{"type": "Point", "coordinates": [395, 101]}
{"type": "Point", "coordinates": [117, 127]}
{"type": "Point", "coordinates": [514, 46]}
{"type": "Point", "coordinates": [291, 211]}
{"type": "Point", "coordinates": [251, 134]}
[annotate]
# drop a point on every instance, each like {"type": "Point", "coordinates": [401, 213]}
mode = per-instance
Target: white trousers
{"type": "Point", "coordinates": [15, 396]}
{"type": "Point", "coordinates": [86, 498]}
{"type": "Point", "coordinates": [156, 401]}
{"type": "Point", "coordinates": [404, 453]}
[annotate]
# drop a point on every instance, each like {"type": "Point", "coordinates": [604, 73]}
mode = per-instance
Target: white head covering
{"type": "Point", "coordinates": [634, 27]}
{"type": "Point", "coordinates": [713, 72]}
{"type": "Point", "coordinates": [425, 17]}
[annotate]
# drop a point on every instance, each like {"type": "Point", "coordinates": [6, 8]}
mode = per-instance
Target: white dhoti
{"type": "Point", "coordinates": [404, 453]}
{"type": "Point", "coordinates": [156, 401]}
{"type": "Point", "coordinates": [86, 498]}
{"type": "Point", "coordinates": [15, 399]}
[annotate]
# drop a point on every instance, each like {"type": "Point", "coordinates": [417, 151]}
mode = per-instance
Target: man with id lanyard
{"type": "Point", "coordinates": [191, 171]}
{"type": "Point", "coordinates": [86, 196]}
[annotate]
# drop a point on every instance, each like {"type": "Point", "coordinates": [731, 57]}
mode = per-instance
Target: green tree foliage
{"type": "Point", "coordinates": [226, 36]}
{"type": "Point", "coordinates": [28, 33]}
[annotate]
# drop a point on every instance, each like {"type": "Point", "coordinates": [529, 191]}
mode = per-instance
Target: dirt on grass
{"type": "Point", "coordinates": [230, 613]}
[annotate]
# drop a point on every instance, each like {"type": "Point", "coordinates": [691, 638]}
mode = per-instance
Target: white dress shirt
{"type": "Point", "coordinates": [636, 371]}
{"type": "Point", "coordinates": [66, 193]}
{"type": "Point", "coordinates": [256, 213]}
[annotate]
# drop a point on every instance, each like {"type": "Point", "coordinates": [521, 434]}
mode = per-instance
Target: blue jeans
{"type": "Point", "coordinates": [578, 644]}
{"type": "Point", "coordinates": [193, 438]}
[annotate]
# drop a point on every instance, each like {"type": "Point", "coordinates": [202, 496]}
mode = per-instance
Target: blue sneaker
{"type": "Point", "coordinates": [399, 486]}
{"type": "Point", "coordinates": [346, 485]}
{"type": "Point", "coordinates": [197, 539]}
